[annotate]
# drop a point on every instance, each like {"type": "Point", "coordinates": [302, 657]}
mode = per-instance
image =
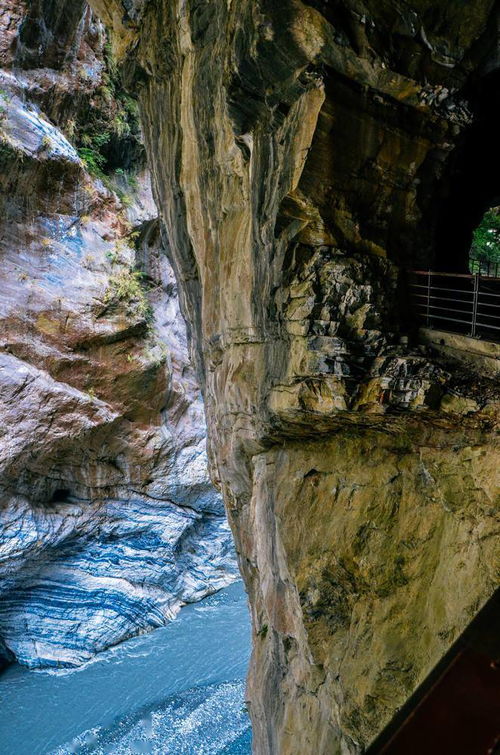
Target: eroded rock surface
{"type": "Point", "coordinates": [303, 154]}
{"type": "Point", "coordinates": [108, 519]}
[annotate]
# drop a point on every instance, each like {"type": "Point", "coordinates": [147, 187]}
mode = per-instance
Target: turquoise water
{"type": "Point", "coordinates": [176, 691]}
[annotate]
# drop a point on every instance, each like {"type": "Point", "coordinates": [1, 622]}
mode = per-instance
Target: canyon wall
{"type": "Point", "coordinates": [108, 519]}
{"type": "Point", "coordinates": [304, 154]}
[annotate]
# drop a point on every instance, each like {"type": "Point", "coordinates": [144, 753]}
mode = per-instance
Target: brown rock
{"type": "Point", "coordinates": [362, 514]}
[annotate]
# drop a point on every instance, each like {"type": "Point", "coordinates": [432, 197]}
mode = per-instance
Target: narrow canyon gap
{"type": "Point", "coordinates": [108, 519]}
{"type": "Point", "coordinates": [303, 155]}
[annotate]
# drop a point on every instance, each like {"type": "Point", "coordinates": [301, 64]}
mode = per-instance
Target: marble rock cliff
{"type": "Point", "coordinates": [303, 155]}
{"type": "Point", "coordinates": [108, 519]}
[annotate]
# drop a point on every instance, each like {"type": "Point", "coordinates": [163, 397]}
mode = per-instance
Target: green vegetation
{"type": "Point", "coordinates": [94, 161]}
{"type": "Point", "coordinates": [486, 241]}
{"type": "Point", "coordinates": [7, 152]}
{"type": "Point", "coordinates": [3, 100]}
{"type": "Point", "coordinates": [115, 255]}
{"type": "Point", "coordinates": [130, 178]}
{"type": "Point", "coordinates": [107, 133]}
{"type": "Point", "coordinates": [46, 144]}
{"type": "Point", "coordinates": [122, 249]}
{"type": "Point", "coordinates": [124, 198]}
{"type": "Point", "coordinates": [262, 633]}
{"type": "Point", "coordinates": [127, 286]}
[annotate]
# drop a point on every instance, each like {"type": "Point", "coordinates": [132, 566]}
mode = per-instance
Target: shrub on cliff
{"type": "Point", "coordinates": [127, 286]}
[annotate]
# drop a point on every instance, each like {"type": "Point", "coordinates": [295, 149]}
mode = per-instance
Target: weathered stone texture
{"type": "Point", "coordinates": [302, 154]}
{"type": "Point", "coordinates": [108, 519]}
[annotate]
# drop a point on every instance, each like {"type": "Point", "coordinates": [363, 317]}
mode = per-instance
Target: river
{"type": "Point", "coordinates": [176, 691]}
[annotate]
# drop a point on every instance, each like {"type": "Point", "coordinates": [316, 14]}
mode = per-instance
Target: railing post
{"type": "Point", "coordinates": [474, 305]}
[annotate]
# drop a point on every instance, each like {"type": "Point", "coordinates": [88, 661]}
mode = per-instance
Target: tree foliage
{"type": "Point", "coordinates": [486, 239]}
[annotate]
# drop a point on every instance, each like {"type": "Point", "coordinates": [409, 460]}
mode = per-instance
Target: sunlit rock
{"type": "Point", "coordinates": [304, 155]}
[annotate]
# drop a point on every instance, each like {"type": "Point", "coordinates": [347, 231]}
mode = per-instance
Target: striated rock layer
{"type": "Point", "coordinates": [108, 519]}
{"type": "Point", "coordinates": [303, 154]}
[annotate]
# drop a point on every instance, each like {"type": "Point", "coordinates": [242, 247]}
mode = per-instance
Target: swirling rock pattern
{"type": "Point", "coordinates": [109, 522]}
{"type": "Point", "coordinates": [84, 575]}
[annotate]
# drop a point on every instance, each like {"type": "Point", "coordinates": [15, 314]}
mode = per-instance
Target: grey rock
{"type": "Point", "coordinates": [108, 519]}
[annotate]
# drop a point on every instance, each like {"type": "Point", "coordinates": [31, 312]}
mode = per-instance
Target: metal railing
{"type": "Point", "coordinates": [466, 304]}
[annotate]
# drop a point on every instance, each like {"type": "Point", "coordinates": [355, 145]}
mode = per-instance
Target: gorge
{"type": "Point", "coordinates": [108, 519]}
{"type": "Point", "coordinates": [303, 157]}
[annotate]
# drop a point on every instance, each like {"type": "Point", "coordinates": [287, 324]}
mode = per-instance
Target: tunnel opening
{"type": "Point", "coordinates": [456, 286]}
{"type": "Point", "coordinates": [471, 186]}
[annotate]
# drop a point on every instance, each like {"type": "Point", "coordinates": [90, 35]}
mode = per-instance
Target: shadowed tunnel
{"type": "Point", "coordinates": [472, 184]}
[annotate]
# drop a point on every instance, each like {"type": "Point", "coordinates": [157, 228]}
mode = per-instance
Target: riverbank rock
{"type": "Point", "coordinates": [108, 519]}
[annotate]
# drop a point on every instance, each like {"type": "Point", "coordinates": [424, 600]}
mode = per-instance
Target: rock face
{"type": "Point", "coordinates": [108, 519]}
{"type": "Point", "coordinates": [303, 154]}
